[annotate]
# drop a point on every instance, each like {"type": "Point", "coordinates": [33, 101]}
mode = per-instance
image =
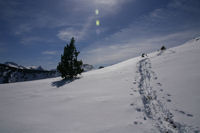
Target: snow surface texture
{"type": "Point", "coordinates": [157, 93]}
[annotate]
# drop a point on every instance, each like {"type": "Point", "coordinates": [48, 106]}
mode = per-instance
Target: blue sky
{"type": "Point", "coordinates": [35, 32]}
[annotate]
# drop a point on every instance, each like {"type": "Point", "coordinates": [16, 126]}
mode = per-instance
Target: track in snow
{"type": "Point", "coordinates": [154, 109]}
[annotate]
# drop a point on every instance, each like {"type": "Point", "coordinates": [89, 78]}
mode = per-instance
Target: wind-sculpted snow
{"type": "Point", "coordinates": [155, 109]}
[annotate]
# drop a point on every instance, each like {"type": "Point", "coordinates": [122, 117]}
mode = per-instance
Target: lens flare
{"type": "Point", "coordinates": [97, 22]}
{"type": "Point", "coordinates": [97, 12]}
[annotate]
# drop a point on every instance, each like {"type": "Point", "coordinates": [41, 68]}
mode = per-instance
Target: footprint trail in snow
{"type": "Point", "coordinates": [153, 108]}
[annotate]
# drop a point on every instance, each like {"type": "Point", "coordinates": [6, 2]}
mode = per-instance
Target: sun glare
{"type": "Point", "coordinates": [97, 22]}
{"type": "Point", "coordinates": [97, 12]}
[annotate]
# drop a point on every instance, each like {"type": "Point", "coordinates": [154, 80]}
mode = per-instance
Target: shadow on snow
{"type": "Point", "coordinates": [62, 82]}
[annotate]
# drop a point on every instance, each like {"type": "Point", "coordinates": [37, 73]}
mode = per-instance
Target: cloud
{"type": "Point", "coordinates": [34, 40]}
{"type": "Point", "coordinates": [7, 10]}
{"type": "Point", "coordinates": [105, 7]}
{"type": "Point", "coordinates": [68, 33]}
{"type": "Point", "coordinates": [108, 2]}
{"type": "Point", "coordinates": [184, 35]}
{"type": "Point", "coordinates": [146, 34]}
{"type": "Point", "coordinates": [25, 17]}
{"type": "Point", "coordinates": [23, 28]}
{"type": "Point", "coordinates": [116, 52]}
{"type": "Point", "coordinates": [30, 40]}
{"type": "Point", "coordinates": [111, 54]}
{"type": "Point", "coordinates": [49, 52]}
{"type": "Point", "coordinates": [99, 3]}
{"type": "Point", "coordinates": [157, 13]}
{"type": "Point", "coordinates": [186, 5]}
{"type": "Point", "coordinates": [76, 32]}
{"type": "Point", "coordinates": [109, 7]}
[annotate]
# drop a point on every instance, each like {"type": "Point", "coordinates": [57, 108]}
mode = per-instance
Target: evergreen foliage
{"type": "Point", "coordinates": [70, 67]}
{"type": "Point", "coordinates": [101, 67]}
{"type": "Point", "coordinates": [163, 48]}
{"type": "Point", "coordinates": [143, 54]}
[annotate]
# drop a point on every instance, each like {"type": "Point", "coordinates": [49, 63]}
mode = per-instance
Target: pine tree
{"type": "Point", "coordinates": [70, 67]}
{"type": "Point", "coordinates": [163, 48]}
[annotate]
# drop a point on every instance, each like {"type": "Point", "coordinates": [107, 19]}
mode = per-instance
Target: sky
{"type": "Point", "coordinates": [34, 32]}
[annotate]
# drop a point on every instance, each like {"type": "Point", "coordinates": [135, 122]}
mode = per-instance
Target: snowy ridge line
{"type": "Point", "coordinates": [154, 109]}
{"type": "Point", "coordinates": [10, 74]}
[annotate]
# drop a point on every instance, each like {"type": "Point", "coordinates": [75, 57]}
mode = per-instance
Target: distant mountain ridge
{"type": "Point", "coordinates": [13, 64]}
{"type": "Point", "coordinates": [87, 67]}
{"type": "Point", "coordinates": [35, 68]}
{"type": "Point", "coordinates": [12, 72]}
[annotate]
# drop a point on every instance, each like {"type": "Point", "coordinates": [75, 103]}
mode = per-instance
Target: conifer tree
{"type": "Point", "coordinates": [70, 67]}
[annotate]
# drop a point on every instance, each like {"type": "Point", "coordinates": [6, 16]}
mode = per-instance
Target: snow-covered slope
{"type": "Point", "coordinates": [158, 93]}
